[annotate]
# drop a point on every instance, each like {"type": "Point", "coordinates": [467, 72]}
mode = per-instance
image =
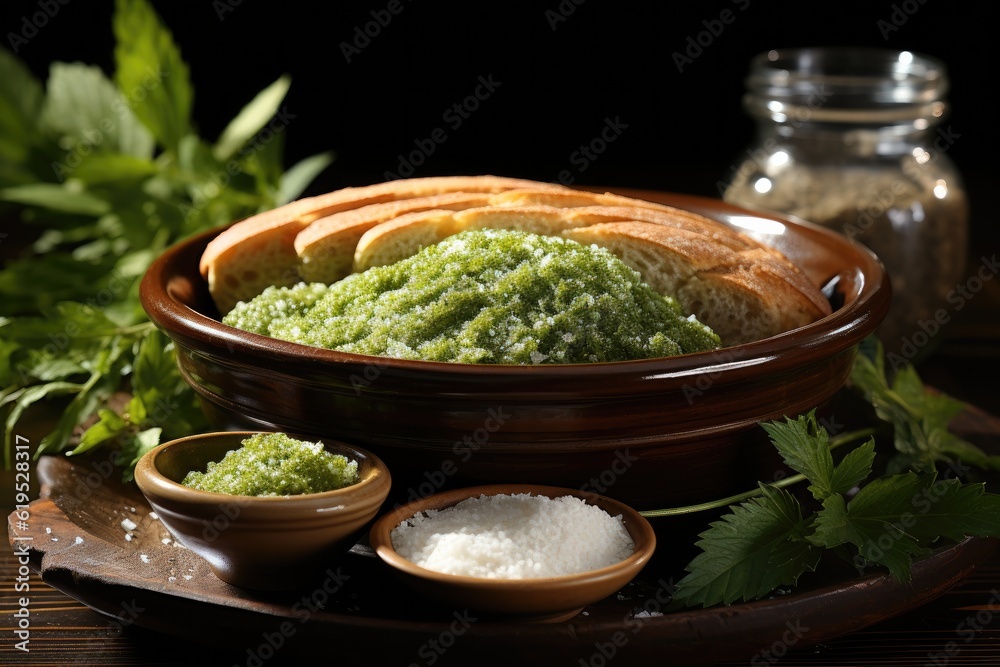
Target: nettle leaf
{"type": "Point", "coordinates": [805, 447]}
{"type": "Point", "coordinates": [948, 508]}
{"type": "Point", "coordinates": [878, 521]}
{"type": "Point", "coordinates": [746, 555]}
{"type": "Point", "coordinates": [949, 445]}
{"type": "Point", "coordinates": [151, 73]}
{"type": "Point", "coordinates": [249, 121]}
{"type": "Point", "coordinates": [84, 106]}
{"type": "Point", "coordinates": [919, 417]}
{"type": "Point", "coordinates": [853, 468]}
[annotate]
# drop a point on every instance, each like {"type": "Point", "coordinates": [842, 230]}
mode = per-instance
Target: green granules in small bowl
{"type": "Point", "coordinates": [274, 464]}
{"type": "Point", "coordinates": [488, 297]}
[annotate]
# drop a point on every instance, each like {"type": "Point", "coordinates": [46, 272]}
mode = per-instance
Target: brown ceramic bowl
{"type": "Point", "coordinates": [274, 542]}
{"type": "Point", "coordinates": [546, 599]}
{"type": "Point", "coordinates": [651, 432]}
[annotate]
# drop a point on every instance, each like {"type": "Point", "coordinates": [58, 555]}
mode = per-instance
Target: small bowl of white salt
{"type": "Point", "coordinates": [528, 552]}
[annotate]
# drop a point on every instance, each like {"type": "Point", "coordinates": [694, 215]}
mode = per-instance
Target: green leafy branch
{"type": "Point", "coordinates": [112, 172]}
{"type": "Point", "coordinates": [770, 541]}
{"type": "Point", "coordinates": [919, 417]}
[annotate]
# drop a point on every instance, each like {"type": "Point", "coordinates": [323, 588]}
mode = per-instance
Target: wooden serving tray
{"type": "Point", "coordinates": [358, 610]}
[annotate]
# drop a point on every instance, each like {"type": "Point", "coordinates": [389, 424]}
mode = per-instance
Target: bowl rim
{"type": "Point", "coordinates": [837, 332]}
{"type": "Point", "coordinates": [150, 479]}
{"type": "Point", "coordinates": [381, 542]}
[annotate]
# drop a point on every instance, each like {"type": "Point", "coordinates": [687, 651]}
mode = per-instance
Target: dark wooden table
{"type": "Point", "coordinates": [960, 628]}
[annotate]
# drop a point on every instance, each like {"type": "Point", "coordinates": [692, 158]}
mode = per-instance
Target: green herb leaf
{"type": "Point", "coordinates": [948, 508]}
{"type": "Point", "coordinates": [108, 427]}
{"type": "Point", "coordinates": [919, 417]}
{"type": "Point", "coordinates": [140, 443]}
{"type": "Point", "coordinates": [106, 372]}
{"type": "Point", "coordinates": [136, 179]}
{"type": "Point", "coordinates": [874, 522]}
{"type": "Point", "coordinates": [21, 99]}
{"type": "Point", "coordinates": [854, 468]}
{"type": "Point", "coordinates": [251, 119]}
{"type": "Point", "coordinates": [745, 554]}
{"type": "Point", "coordinates": [23, 398]}
{"type": "Point", "coordinates": [150, 72]}
{"type": "Point", "coordinates": [55, 198]}
{"type": "Point", "coordinates": [805, 448]}
{"type": "Point", "coordinates": [110, 168]}
{"type": "Point", "coordinates": [300, 175]}
{"type": "Point", "coordinates": [84, 107]}
{"type": "Point", "coordinates": [766, 542]}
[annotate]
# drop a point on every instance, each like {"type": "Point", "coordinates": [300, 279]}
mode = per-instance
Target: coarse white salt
{"type": "Point", "coordinates": [128, 524]}
{"type": "Point", "coordinates": [514, 536]}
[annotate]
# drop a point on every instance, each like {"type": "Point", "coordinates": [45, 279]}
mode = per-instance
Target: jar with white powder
{"type": "Point", "coordinates": [854, 139]}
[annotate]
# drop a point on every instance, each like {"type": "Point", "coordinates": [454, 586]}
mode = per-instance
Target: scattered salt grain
{"type": "Point", "coordinates": [154, 516]}
{"type": "Point", "coordinates": [166, 540]}
{"type": "Point", "coordinates": [128, 524]}
{"type": "Point", "coordinates": [144, 558]}
{"type": "Point", "coordinates": [647, 614]}
{"type": "Point", "coordinates": [171, 579]}
{"type": "Point", "coordinates": [128, 537]}
{"type": "Point", "coordinates": [516, 536]}
{"type": "Point", "coordinates": [187, 577]}
{"type": "Point", "coordinates": [48, 530]}
{"type": "Point", "coordinates": [78, 540]}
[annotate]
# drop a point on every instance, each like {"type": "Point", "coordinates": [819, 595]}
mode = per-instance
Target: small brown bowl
{"type": "Point", "coordinates": [267, 543]}
{"type": "Point", "coordinates": [543, 599]}
{"type": "Point", "coordinates": [653, 432]}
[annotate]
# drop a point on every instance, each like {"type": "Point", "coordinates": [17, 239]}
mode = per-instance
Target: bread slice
{"type": "Point", "coordinates": [404, 236]}
{"type": "Point", "coordinates": [260, 251]}
{"type": "Point", "coordinates": [743, 295]}
{"type": "Point", "coordinates": [326, 247]}
{"type": "Point", "coordinates": [391, 241]}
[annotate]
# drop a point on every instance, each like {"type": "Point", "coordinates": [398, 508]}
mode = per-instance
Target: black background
{"type": "Point", "coordinates": [560, 79]}
{"type": "Point", "coordinates": [605, 60]}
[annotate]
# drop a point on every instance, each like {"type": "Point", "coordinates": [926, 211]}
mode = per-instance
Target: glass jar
{"type": "Point", "coordinates": [851, 139]}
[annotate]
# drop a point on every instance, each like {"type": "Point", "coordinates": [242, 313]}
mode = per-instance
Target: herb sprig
{"type": "Point", "coordinates": [919, 417]}
{"type": "Point", "coordinates": [112, 172]}
{"type": "Point", "coordinates": [771, 540]}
